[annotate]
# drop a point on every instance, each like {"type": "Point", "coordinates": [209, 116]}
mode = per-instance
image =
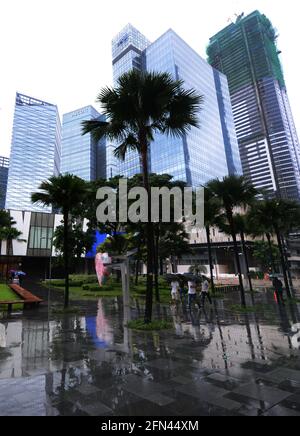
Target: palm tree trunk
{"type": "Point", "coordinates": [66, 256]}
{"type": "Point", "coordinates": [286, 280]}
{"type": "Point", "coordinates": [211, 266]}
{"type": "Point", "coordinates": [236, 253]}
{"type": "Point", "coordinates": [246, 260]}
{"type": "Point", "coordinates": [149, 230]}
{"type": "Point", "coordinates": [161, 266]}
{"type": "Point", "coordinates": [137, 268]}
{"type": "Point", "coordinates": [156, 258]}
{"type": "Point", "coordinates": [284, 244]}
{"type": "Point", "coordinates": [271, 252]}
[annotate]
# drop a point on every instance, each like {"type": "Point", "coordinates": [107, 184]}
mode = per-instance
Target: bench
{"type": "Point", "coordinates": [27, 297]}
{"type": "Point", "coordinates": [10, 304]}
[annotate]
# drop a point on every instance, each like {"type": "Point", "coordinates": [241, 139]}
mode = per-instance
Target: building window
{"type": "Point", "coordinates": [40, 238]}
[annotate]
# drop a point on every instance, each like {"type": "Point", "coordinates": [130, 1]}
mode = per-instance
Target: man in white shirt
{"type": "Point", "coordinates": [192, 293]}
{"type": "Point", "coordinates": [205, 292]}
{"type": "Point", "coordinates": [175, 290]}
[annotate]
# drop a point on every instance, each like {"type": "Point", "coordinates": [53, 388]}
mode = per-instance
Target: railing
{"type": "Point", "coordinates": [227, 288]}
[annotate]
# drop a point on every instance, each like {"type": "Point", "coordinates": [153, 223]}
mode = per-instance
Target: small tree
{"type": "Point", "coordinates": [232, 192]}
{"type": "Point", "coordinates": [261, 252]}
{"type": "Point", "coordinates": [66, 193]}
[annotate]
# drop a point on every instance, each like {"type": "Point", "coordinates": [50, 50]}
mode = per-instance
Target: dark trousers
{"type": "Point", "coordinates": [205, 295]}
{"type": "Point", "coordinates": [279, 294]}
{"type": "Point", "coordinates": [192, 299]}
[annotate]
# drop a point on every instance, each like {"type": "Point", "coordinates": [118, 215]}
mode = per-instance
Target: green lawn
{"type": "Point", "coordinates": [87, 288]}
{"type": "Point", "coordinates": [7, 294]}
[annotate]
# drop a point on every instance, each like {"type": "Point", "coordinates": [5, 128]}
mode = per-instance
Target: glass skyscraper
{"type": "Point", "coordinates": [205, 153]}
{"type": "Point", "coordinates": [4, 164]}
{"type": "Point", "coordinates": [246, 51]}
{"type": "Point", "coordinates": [81, 155]}
{"type": "Point", "coordinates": [35, 151]}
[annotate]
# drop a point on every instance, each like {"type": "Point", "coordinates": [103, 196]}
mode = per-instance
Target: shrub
{"type": "Point", "coordinates": [75, 284]}
{"type": "Point", "coordinates": [91, 288]}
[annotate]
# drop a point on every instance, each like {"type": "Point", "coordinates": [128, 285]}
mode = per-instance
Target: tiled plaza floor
{"type": "Point", "coordinates": [212, 363]}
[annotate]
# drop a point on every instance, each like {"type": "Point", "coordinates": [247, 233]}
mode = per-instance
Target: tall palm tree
{"type": "Point", "coordinates": [65, 193]}
{"type": "Point", "coordinates": [211, 212]}
{"type": "Point", "coordinates": [241, 227]}
{"type": "Point", "coordinates": [233, 191]}
{"type": "Point", "coordinates": [140, 106]}
{"type": "Point", "coordinates": [277, 217]}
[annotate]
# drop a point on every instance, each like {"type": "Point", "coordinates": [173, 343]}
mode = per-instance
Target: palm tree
{"type": "Point", "coordinates": [277, 217]}
{"type": "Point", "coordinates": [241, 227]}
{"type": "Point", "coordinates": [198, 270]}
{"type": "Point", "coordinates": [211, 211]}
{"type": "Point", "coordinates": [65, 193]}
{"type": "Point", "coordinates": [8, 232]}
{"type": "Point", "coordinates": [140, 106]}
{"type": "Point", "coordinates": [232, 192]}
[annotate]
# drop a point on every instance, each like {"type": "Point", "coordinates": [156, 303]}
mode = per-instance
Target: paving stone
{"type": "Point", "coordinates": [225, 403]}
{"type": "Point", "coordinates": [97, 409]}
{"type": "Point", "coordinates": [160, 399]}
{"type": "Point", "coordinates": [87, 389]}
{"type": "Point", "coordinates": [281, 411]}
{"type": "Point", "coordinates": [262, 393]}
{"type": "Point", "coordinates": [201, 390]}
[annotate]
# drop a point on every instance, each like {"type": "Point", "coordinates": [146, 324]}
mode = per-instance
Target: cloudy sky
{"type": "Point", "coordinates": [60, 50]}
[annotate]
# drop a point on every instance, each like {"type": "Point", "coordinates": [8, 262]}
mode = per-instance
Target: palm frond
{"type": "Point", "coordinates": [130, 143]}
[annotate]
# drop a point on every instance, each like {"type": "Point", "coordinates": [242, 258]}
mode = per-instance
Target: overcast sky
{"type": "Point", "coordinates": [60, 50]}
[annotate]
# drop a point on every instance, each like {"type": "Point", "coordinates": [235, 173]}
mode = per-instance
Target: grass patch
{"type": "Point", "coordinates": [6, 294]}
{"type": "Point", "coordinates": [258, 308]}
{"type": "Point", "coordinates": [156, 325]}
{"type": "Point", "coordinates": [240, 309]}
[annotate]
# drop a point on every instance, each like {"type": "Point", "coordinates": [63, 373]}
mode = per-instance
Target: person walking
{"type": "Point", "coordinates": [192, 293]}
{"type": "Point", "coordinates": [279, 290]}
{"type": "Point", "coordinates": [175, 290]}
{"type": "Point", "coordinates": [205, 292]}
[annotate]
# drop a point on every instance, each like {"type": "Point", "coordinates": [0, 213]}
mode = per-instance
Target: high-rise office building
{"type": "Point", "coordinates": [246, 51]}
{"type": "Point", "coordinates": [4, 164]}
{"type": "Point", "coordinates": [35, 151]}
{"type": "Point", "coordinates": [202, 154]}
{"type": "Point", "coordinates": [81, 155]}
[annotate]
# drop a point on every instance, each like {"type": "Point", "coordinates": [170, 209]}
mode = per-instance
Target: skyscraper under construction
{"type": "Point", "coordinates": [246, 51]}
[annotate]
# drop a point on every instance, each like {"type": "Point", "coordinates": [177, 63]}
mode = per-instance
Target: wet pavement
{"type": "Point", "coordinates": [212, 363]}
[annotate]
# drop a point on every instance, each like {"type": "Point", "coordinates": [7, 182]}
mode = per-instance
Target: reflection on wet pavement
{"type": "Point", "coordinates": [211, 363]}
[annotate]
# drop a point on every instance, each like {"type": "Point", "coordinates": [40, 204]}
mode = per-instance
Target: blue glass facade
{"type": "Point", "coordinates": [81, 155]}
{"type": "Point", "coordinates": [4, 164]}
{"type": "Point", "coordinates": [35, 151]}
{"type": "Point", "coordinates": [128, 54]}
{"type": "Point", "coordinates": [205, 153]}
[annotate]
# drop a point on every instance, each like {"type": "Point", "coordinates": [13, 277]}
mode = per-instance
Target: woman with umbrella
{"type": "Point", "coordinates": [20, 275]}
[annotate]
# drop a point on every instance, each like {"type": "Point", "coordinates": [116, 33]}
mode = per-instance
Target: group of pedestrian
{"type": "Point", "coordinates": [197, 293]}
